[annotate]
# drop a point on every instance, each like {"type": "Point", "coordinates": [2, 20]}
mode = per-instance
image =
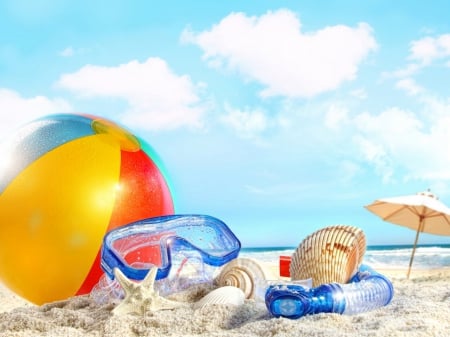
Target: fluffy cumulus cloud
{"type": "Point", "coordinates": [157, 98]}
{"type": "Point", "coordinates": [399, 141]}
{"type": "Point", "coordinates": [274, 50]}
{"type": "Point", "coordinates": [17, 110]}
{"type": "Point", "coordinates": [429, 49]}
{"type": "Point", "coordinates": [412, 144]}
{"type": "Point", "coordinates": [423, 53]}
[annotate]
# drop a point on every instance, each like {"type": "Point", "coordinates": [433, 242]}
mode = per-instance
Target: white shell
{"type": "Point", "coordinates": [244, 273]}
{"type": "Point", "coordinates": [331, 254]}
{"type": "Point", "coordinates": [223, 295]}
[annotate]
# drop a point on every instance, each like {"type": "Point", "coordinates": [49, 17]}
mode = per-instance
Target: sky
{"type": "Point", "coordinates": [277, 117]}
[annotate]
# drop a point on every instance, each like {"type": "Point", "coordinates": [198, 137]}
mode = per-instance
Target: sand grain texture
{"type": "Point", "coordinates": [421, 307]}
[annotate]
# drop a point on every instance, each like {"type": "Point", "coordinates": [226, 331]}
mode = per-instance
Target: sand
{"type": "Point", "coordinates": [420, 307]}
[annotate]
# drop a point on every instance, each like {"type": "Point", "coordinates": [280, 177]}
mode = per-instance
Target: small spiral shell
{"type": "Point", "coordinates": [243, 273]}
{"type": "Point", "coordinates": [331, 254]}
{"type": "Point", "coordinates": [224, 295]}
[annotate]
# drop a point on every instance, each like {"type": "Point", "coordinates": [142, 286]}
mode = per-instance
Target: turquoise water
{"type": "Point", "coordinates": [389, 256]}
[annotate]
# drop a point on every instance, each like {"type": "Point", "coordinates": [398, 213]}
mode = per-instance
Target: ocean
{"type": "Point", "coordinates": [386, 257]}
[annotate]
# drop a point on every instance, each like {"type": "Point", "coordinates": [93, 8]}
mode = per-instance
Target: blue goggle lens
{"type": "Point", "coordinates": [136, 247]}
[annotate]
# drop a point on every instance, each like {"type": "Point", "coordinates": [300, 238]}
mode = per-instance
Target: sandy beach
{"type": "Point", "coordinates": [420, 307]}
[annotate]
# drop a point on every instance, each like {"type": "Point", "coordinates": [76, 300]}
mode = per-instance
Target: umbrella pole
{"type": "Point", "coordinates": [419, 229]}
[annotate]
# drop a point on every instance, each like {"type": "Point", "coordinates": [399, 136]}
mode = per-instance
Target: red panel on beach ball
{"type": "Point", "coordinates": [137, 168]}
{"type": "Point", "coordinates": [132, 203]}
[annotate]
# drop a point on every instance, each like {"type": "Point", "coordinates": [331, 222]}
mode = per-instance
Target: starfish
{"type": "Point", "coordinates": [141, 297]}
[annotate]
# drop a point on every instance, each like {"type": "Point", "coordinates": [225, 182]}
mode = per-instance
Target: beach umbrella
{"type": "Point", "coordinates": [422, 212]}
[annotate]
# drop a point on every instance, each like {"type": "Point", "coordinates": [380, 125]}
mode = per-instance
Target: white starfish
{"type": "Point", "coordinates": [141, 297]}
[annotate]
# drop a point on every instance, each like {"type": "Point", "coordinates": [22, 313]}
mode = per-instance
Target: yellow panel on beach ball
{"type": "Point", "coordinates": [59, 217]}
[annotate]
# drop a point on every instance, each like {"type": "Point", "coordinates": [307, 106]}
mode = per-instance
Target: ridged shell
{"type": "Point", "coordinates": [243, 273]}
{"type": "Point", "coordinates": [223, 295]}
{"type": "Point", "coordinates": [331, 254]}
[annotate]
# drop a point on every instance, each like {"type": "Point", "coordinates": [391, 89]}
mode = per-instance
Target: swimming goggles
{"type": "Point", "coordinates": [166, 241]}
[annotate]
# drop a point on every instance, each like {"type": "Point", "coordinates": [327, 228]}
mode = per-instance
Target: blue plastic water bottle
{"type": "Point", "coordinates": [366, 291]}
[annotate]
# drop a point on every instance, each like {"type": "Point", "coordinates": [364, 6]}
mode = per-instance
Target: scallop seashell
{"type": "Point", "coordinates": [331, 254]}
{"type": "Point", "coordinates": [244, 273]}
{"type": "Point", "coordinates": [362, 244]}
{"type": "Point", "coordinates": [223, 295]}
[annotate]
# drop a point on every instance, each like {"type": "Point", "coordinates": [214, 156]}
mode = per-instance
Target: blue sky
{"type": "Point", "coordinates": [278, 117]}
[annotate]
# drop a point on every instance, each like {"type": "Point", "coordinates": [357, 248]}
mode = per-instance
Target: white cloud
{"type": "Point", "coordinates": [423, 50]}
{"type": "Point", "coordinates": [423, 53]}
{"type": "Point", "coordinates": [396, 140]}
{"type": "Point", "coordinates": [410, 86]}
{"type": "Point", "coordinates": [157, 97]}
{"type": "Point", "coordinates": [273, 50]}
{"type": "Point", "coordinates": [428, 49]}
{"type": "Point", "coordinates": [248, 124]}
{"type": "Point", "coordinates": [434, 109]}
{"type": "Point", "coordinates": [17, 110]}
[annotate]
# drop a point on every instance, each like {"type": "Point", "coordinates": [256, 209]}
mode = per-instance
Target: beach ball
{"type": "Point", "coordinates": [65, 181]}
